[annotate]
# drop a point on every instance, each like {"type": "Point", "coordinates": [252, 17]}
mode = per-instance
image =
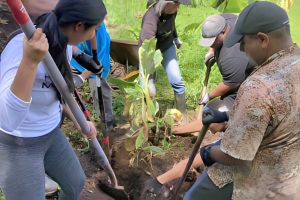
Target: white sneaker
{"type": "Point", "coordinates": [50, 186]}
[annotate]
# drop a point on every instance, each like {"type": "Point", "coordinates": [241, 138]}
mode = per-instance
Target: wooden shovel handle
{"type": "Point", "coordinates": [204, 90]}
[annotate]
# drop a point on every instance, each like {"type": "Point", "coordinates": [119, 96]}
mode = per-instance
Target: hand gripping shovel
{"type": "Point", "coordinates": [204, 89]}
{"type": "Point", "coordinates": [28, 28]}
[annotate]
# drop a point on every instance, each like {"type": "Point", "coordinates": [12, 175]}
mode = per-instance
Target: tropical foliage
{"type": "Point", "coordinates": [236, 6]}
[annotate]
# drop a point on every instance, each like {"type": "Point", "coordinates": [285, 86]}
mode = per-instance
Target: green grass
{"type": "Point", "coordinates": [124, 22]}
{"type": "Point", "coordinates": [294, 18]}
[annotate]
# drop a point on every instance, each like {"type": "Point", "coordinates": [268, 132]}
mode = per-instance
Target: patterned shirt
{"type": "Point", "coordinates": [264, 131]}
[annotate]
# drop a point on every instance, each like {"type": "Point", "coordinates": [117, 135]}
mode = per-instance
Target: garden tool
{"type": "Point", "coordinates": [23, 19]}
{"type": "Point", "coordinates": [210, 63]}
{"type": "Point", "coordinates": [190, 161]}
{"type": "Point", "coordinates": [106, 129]}
{"type": "Point", "coordinates": [217, 105]}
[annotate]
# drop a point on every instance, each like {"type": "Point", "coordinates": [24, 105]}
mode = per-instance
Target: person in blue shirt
{"type": "Point", "coordinates": [99, 49]}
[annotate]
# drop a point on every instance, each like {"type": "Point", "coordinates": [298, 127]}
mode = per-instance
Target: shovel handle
{"type": "Point", "coordinates": [204, 90]}
{"type": "Point", "coordinates": [190, 161]}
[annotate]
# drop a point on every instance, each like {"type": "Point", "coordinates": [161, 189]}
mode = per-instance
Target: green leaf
{"type": "Point", "coordinates": [150, 58]}
{"type": "Point", "coordinates": [157, 58]}
{"type": "Point", "coordinates": [121, 83]}
{"type": "Point", "coordinates": [192, 27]}
{"type": "Point", "coordinates": [236, 6]}
{"type": "Point", "coordinates": [169, 120]}
{"type": "Point", "coordinates": [134, 93]}
{"type": "Point", "coordinates": [154, 149]}
{"type": "Point", "coordinates": [139, 140]}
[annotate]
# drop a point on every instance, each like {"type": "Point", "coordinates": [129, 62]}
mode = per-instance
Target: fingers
{"type": "Point", "coordinates": [93, 132]}
{"type": "Point", "coordinates": [37, 35]}
{"type": "Point", "coordinates": [36, 47]}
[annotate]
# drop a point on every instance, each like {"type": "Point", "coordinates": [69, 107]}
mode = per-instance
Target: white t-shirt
{"type": "Point", "coordinates": [27, 119]}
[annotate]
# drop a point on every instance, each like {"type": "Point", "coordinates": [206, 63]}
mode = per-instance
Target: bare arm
{"type": "Point", "coordinates": [219, 156]}
{"type": "Point", "coordinates": [94, 43]}
{"type": "Point", "coordinates": [221, 90]}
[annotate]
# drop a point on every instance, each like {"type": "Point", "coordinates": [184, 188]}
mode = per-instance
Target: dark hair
{"type": "Point", "coordinates": [68, 12]}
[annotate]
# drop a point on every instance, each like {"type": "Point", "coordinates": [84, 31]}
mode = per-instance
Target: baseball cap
{"type": "Point", "coordinates": [211, 28]}
{"type": "Point", "coordinates": [261, 16]}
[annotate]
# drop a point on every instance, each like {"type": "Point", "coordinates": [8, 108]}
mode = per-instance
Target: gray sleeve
{"type": "Point", "coordinates": [233, 70]}
{"type": "Point", "coordinates": [149, 26]}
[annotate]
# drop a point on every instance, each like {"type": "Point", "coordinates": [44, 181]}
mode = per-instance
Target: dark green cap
{"type": "Point", "coordinates": [261, 16]}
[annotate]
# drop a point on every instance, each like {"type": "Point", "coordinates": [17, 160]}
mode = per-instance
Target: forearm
{"type": "Point", "coordinates": [94, 43]}
{"type": "Point", "coordinates": [85, 74]}
{"type": "Point", "coordinates": [220, 90]}
{"type": "Point", "coordinates": [219, 156]}
{"type": "Point", "coordinates": [24, 79]}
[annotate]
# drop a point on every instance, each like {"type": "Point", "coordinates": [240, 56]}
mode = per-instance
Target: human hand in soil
{"type": "Point", "coordinates": [93, 132]}
{"type": "Point", "coordinates": [35, 49]}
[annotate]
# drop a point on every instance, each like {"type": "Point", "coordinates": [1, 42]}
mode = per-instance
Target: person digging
{"type": "Point", "coordinates": [159, 186]}
{"type": "Point", "coordinates": [159, 22]}
{"type": "Point", "coordinates": [233, 64]}
{"type": "Point", "coordinates": [262, 140]}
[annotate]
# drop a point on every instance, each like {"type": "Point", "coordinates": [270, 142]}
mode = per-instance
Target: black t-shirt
{"type": "Point", "coordinates": [232, 62]}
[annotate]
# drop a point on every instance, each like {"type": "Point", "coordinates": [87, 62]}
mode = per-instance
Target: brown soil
{"type": "Point", "coordinates": [132, 178]}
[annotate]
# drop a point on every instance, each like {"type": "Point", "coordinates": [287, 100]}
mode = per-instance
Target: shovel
{"type": "Point", "coordinates": [106, 138]}
{"type": "Point", "coordinates": [116, 192]}
{"type": "Point", "coordinates": [218, 105]}
{"type": "Point", "coordinates": [23, 19]}
{"type": "Point", "coordinates": [195, 150]}
{"type": "Point", "coordinates": [205, 84]}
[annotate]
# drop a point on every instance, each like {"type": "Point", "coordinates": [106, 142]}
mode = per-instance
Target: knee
{"type": "Point", "coordinates": [178, 87]}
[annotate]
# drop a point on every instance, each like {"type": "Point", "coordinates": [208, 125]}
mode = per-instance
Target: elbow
{"type": "Point", "coordinates": [13, 111]}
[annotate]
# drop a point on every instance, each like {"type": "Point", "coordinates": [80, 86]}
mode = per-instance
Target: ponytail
{"type": "Point", "coordinates": [57, 45]}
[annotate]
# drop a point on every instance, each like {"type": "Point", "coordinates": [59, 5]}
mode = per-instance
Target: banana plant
{"type": "Point", "coordinates": [142, 110]}
{"type": "Point", "coordinates": [236, 6]}
{"type": "Point", "coordinates": [149, 60]}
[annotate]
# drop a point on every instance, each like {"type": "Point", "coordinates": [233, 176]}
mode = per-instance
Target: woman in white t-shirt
{"type": "Point", "coordinates": [31, 142]}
